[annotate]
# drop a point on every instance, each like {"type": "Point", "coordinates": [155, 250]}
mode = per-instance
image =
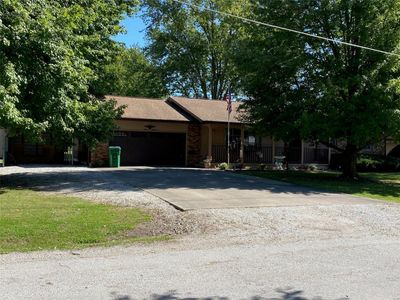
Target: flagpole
{"type": "Point", "coordinates": [229, 138]}
{"type": "Point", "coordinates": [228, 99]}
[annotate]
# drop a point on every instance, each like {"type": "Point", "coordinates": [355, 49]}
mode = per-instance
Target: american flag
{"type": "Point", "coordinates": [228, 99]}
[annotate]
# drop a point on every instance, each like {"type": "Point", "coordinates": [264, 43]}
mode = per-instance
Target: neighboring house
{"type": "Point", "coordinates": [391, 148]}
{"type": "Point", "coordinates": [185, 132]}
{"type": "Point", "coordinates": [16, 150]}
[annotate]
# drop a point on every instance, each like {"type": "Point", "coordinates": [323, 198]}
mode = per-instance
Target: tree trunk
{"type": "Point", "coordinates": [350, 162]}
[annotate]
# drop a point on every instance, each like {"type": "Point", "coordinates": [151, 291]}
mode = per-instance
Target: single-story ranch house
{"type": "Point", "coordinates": [176, 131]}
{"type": "Point", "coordinates": [185, 132]}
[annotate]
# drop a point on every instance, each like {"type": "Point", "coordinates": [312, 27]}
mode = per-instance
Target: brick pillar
{"type": "Point", "coordinates": [99, 156]}
{"type": "Point", "coordinates": [194, 145]}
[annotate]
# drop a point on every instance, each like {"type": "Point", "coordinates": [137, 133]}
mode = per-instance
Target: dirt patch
{"type": "Point", "coordinates": [180, 223]}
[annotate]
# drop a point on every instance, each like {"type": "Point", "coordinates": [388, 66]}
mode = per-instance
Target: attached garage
{"type": "Point", "coordinates": [151, 148]}
{"type": "Point", "coordinates": [151, 133]}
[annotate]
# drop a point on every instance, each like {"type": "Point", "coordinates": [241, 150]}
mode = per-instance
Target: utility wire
{"type": "Point", "coordinates": [285, 29]}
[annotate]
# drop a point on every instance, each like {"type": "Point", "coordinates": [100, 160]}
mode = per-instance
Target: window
{"type": "Point", "coordinates": [251, 140]}
{"type": "Point", "coordinates": [120, 133]}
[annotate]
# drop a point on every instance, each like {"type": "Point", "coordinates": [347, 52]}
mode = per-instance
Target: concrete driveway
{"type": "Point", "coordinates": [188, 189]}
{"type": "Point", "coordinates": [183, 188]}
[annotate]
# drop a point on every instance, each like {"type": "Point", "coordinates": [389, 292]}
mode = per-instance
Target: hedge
{"type": "Point", "coordinates": [369, 163]}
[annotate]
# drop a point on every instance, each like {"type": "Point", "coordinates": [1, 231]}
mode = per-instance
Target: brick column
{"type": "Point", "coordinates": [194, 145]}
{"type": "Point", "coordinates": [99, 156]}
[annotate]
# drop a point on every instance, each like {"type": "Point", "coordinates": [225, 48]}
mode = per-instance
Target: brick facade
{"type": "Point", "coordinates": [194, 145]}
{"type": "Point", "coordinates": [99, 156]}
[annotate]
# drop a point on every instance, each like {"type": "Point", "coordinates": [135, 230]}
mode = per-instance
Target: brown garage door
{"type": "Point", "coordinates": [151, 148]}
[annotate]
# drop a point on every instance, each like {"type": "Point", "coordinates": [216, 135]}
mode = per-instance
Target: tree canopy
{"type": "Point", "coordinates": [300, 87]}
{"type": "Point", "coordinates": [50, 52]}
{"type": "Point", "coordinates": [193, 47]}
{"type": "Point", "coordinates": [130, 73]}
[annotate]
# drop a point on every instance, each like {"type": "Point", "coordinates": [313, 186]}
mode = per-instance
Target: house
{"type": "Point", "coordinates": [184, 132]}
{"type": "Point", "coordinates": [386, 147]}
{"type": "Point", "coordinates": [176, 131]}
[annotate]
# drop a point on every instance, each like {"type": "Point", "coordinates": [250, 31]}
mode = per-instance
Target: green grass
{"type": "Point", "coordinates": [31, 221]}
{"type": "Point", "coordinates": [382, 186]}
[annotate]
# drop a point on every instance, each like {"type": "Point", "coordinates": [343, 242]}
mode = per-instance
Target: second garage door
{"type": "Point", "coordinates": [151, 148]}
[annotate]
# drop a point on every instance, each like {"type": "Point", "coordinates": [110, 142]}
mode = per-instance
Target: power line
{"type": "Point", "coordinates": [285, 29]}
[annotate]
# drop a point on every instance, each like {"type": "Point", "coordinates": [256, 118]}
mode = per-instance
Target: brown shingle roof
{"type": "Point", "coordinates": [148, 109]}
{"type": "Point", "coordinates": [208, 110]}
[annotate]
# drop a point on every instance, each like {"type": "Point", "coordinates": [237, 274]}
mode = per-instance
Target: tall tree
{"type": "Point", "coordinates": [321, 90]}
{"type": "Point", "coordinates": [193, 46]}
{"type": "Point", "coordinates": [130, 73]}
{"type": "Point", "coordinates": [50, 51]}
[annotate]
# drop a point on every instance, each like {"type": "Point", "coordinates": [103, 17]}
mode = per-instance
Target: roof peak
{"type": "Point", "coordinates": [207, 110]}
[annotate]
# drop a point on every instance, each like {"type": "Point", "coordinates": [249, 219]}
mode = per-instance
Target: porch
{"type": "Point", "coordinates": [247, 148]}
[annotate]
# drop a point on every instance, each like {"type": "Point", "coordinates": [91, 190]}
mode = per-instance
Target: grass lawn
{"type": "Point", "coordinates": [383, 186]}
{"type": "Point", "coordinates": [31, 221]}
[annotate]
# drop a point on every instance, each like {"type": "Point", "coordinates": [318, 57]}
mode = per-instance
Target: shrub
{"type": "Point", "coordinates": [207, 163]}
{"type": "Point", "coordinates": [369, 163]}
{"type": "Point", "coordinates": [310, 167]}
{"type": "Point", "coordinates": [262, 167]}
{"type": "Point", "coordinates": [378, 163]}
{"type": "Point", "coordinates": [223, 166]}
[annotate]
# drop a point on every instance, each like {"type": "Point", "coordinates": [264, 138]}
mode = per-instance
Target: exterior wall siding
{"type": "Point", "coordinates": [132, 125]}
{"type": "Point", "coordinates": [219, 131]}
{"type": "Point", "coordinates": [390, 146]}
{"type": "Point", "coordinates": [204, 141]}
